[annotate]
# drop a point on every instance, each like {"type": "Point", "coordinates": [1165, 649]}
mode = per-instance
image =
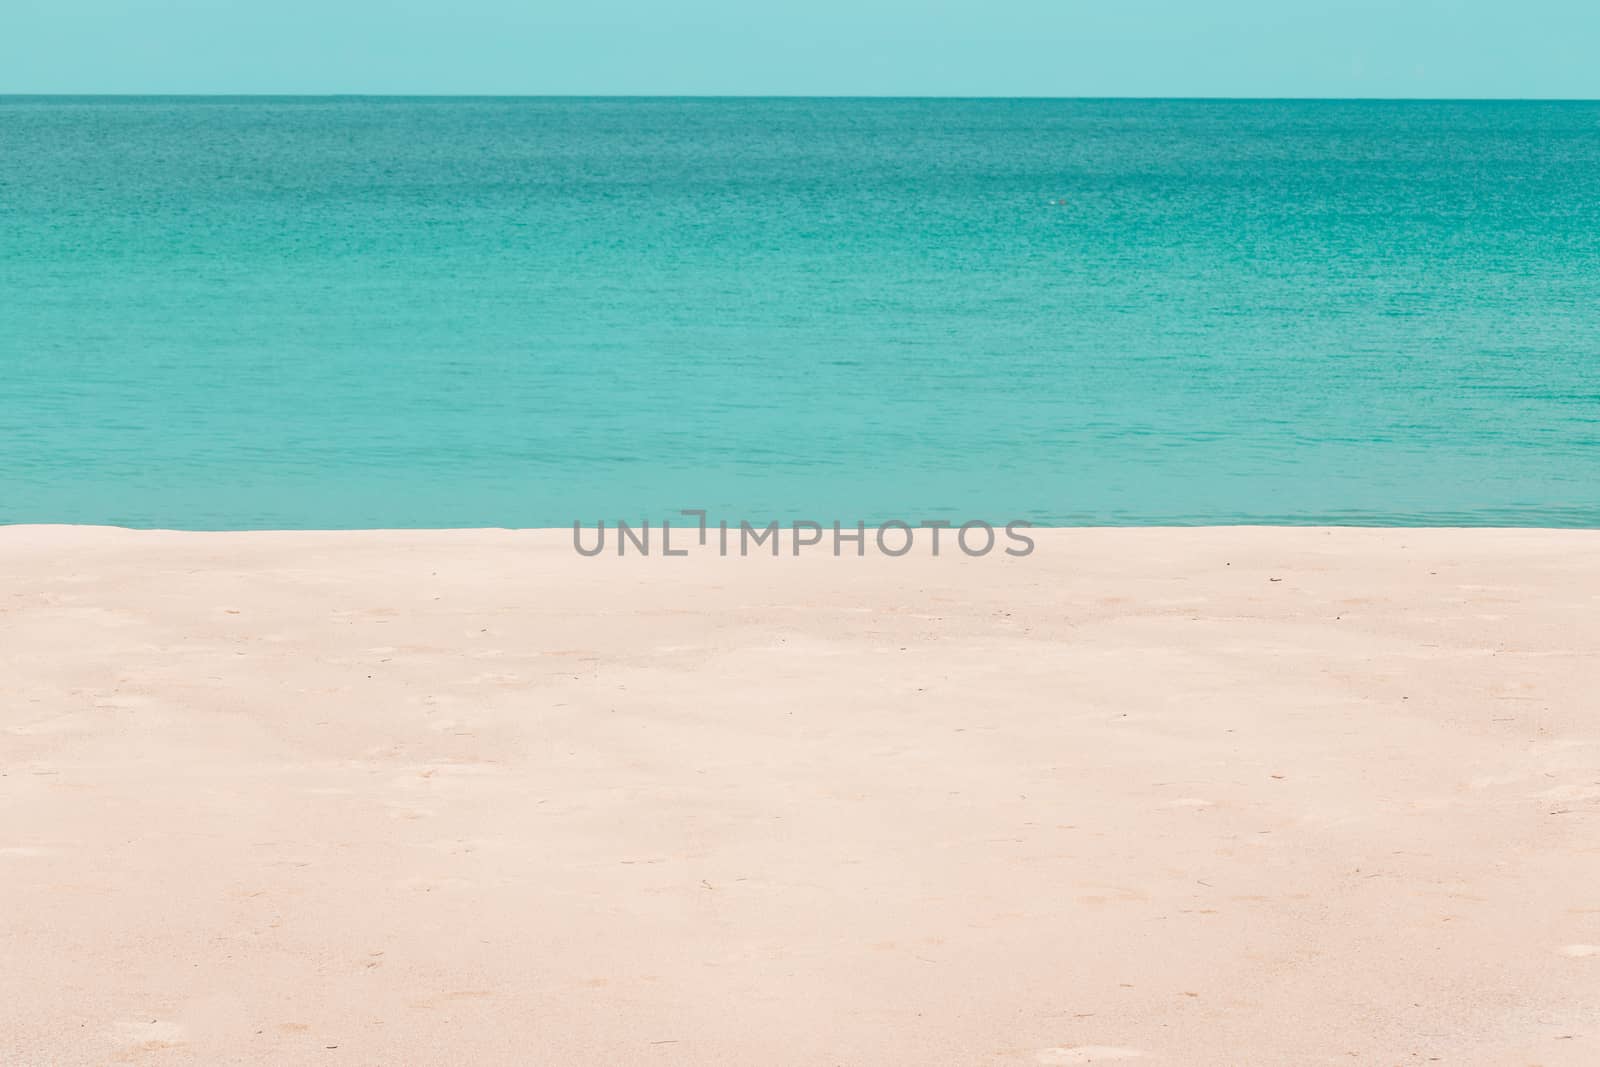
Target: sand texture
{"type": "Point", "coordinates": [1221, 796]}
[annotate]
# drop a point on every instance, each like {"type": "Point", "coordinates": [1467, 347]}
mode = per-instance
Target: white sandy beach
{"type": "Point", "coordinates": [1218, 796]}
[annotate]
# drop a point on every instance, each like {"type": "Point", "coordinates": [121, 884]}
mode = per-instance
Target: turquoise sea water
{"type": "Point", "coordinates": [240, 313]}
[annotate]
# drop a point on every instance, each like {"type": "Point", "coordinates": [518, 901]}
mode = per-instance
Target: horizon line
{"type": "Point", "coordinates": [301, 95]}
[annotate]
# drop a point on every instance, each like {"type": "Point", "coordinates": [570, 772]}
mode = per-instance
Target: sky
{"type": "Point", "coordinates": [1212, 48]}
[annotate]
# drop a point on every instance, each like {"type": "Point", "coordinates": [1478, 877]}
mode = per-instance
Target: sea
{"type": "Point", "coordinates": [256, 312]}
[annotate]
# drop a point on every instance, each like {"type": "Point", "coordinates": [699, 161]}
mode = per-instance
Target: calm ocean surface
{"type": "Point", "coordinates": [395, 313]}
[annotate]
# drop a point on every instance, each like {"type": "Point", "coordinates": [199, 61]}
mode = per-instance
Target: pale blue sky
{"type": "Point", "coordinates": [1398, 48]}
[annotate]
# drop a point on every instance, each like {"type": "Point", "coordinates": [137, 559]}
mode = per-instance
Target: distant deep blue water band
{"type": "Point", "coordinates": [279, 313]}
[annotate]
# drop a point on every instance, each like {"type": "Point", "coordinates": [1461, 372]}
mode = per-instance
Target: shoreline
{"type": "Point", "coordinates": [1183, 795]}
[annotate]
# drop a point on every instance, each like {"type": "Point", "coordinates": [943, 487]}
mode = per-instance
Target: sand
{"type": "Point", "coordinates": [1226, 796]}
